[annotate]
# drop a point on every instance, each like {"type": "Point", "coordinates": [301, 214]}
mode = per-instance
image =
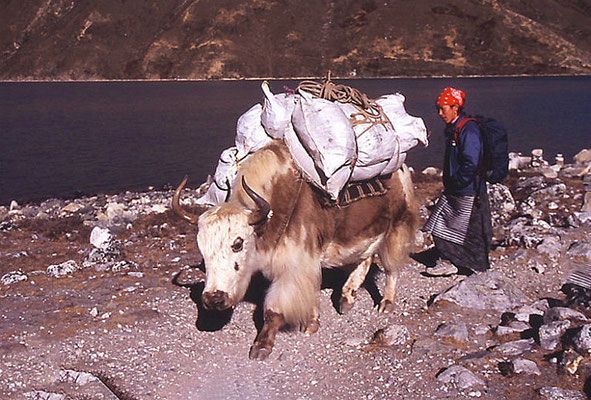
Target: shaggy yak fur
{"type": "Point", "coordinates": [277, 223]}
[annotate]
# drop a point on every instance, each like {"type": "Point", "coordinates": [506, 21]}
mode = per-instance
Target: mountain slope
{"type": "Point", "coordinates": [212, 39]}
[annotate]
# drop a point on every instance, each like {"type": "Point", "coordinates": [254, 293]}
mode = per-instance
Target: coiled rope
{"type": "Point", "coordinates": [369, 112]}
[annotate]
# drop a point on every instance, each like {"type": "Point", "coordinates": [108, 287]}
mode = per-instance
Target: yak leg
{"type": "Point", "coordinates": [314, 324]}
{"type": "Point", "coordinates": [265, 340]}
{"type": "Point", "coordinates": [353, 283]}
{"type": "Point", "coordinates": [392, 253]}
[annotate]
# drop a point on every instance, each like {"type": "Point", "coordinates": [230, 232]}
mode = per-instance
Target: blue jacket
{"type": "Point", "coordinates": [461, 168]}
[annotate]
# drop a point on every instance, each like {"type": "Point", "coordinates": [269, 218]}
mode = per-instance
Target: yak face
{"type": "Point", "coordinates": [228, 243]}
{"type": "Point", "coordinates": [227, 239]}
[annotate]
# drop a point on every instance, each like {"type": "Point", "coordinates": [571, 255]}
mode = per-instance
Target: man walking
{"type": "Point", "coordinates": [460, 222]}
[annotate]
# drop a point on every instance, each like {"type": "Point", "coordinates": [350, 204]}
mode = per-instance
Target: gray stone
{"type": "Point", "coordinates": [527, 185]}
{"type": "Point", "coordinates": [548, 193]}
{"type": "Point", "coordinates": [551, 333]}
{"type": "Point", "coordinates": [527, 367]}
{"type": "Point", "coordinates": [124, 265]}
{"type": "Point", "coordinates": [525, 312]}
{"type": "Point", "coordinates": [397, 334]}
{"type": "Point", "coordinates": [538, 266]}
{"type": "Point", "coordinates": [489, 290]}
{"type": "Point", "coordinates": [583, 156]}
{"type": "Point", "coordinates": [577, 219]}
{"type": "Point", "coordinates": [582, 340]}
{"type": "Point", "coordinates": [556, 393]}
{"type": "Point", "coordinates": [557, 220]}
{"type": "Point", "coordinates": [515, 347]}
{"type": "Point", "coordinates": [549, 172]}
{"type": "Point", "coordinates": [41, 395]}
{"type": "Point", "coordinates": [518, 161]}
{"type": "Point", "coordinates": [586, 203]}
{"type": "Point", "coordinates": [430, 347]}
{"type": "Point", "coordinates": [526, 232]}
{"type": "Point", "coordinates": [431, 171]}
{"type": "Point", "coordinates": [460, 377]}
{"type": "Point", "coordinates": [63, 269]}
{"type": "Point", "coordinates": [550, 246]}
{"type": "Point", "coordinates": [519, 325]}
{"type": "Point", "coordinates": [77, 377]}
{"type": "Point", "coordinates": [573, 170]}
{"type": "Point", "coordinates": [502, 330]}
{"type": "Point", "coordinates": [72, 208]}
{"type": "Point", "coordinates": [354, 342]}
{"type": "Point", "coordinates": [457, 331]}
{"type": "Point", "coordinates": [563, 313]}
{"type": "Point", "coordinates": [502, 204]}
{"type": "Point", "coordinates": [582, 249]}
{"type": "Point", "coordinates": [13, 277]}
{"type": "Point", "coordinates": [537, 158]}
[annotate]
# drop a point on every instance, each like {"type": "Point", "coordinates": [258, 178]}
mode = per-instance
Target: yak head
{"type": "Point", "coordinates": [227, 240]}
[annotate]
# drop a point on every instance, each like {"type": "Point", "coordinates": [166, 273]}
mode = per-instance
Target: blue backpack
{"type": "Point", "coordinates": [496, 149]}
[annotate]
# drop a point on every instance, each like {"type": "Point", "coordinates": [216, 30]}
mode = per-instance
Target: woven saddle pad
{"type": "Point", "coordinates": [355, 191]}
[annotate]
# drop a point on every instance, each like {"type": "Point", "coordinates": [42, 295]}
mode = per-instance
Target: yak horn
{"type": "Point", "coordinates": [263, 206]}
{"type": "Point", "coordinates": [176, 204]}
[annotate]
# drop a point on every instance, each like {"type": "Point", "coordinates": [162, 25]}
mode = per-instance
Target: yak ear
{"type": "Point", "coordinates": [262, 213]}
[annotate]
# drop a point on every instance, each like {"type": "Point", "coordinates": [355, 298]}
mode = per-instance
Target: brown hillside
{"type": "Point", "coordinates": [212, 39]}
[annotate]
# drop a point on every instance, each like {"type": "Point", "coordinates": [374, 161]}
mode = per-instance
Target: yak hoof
{"type": "Point", "coordinates": [345, 305]}
{"type": "Point", "coordinates": [386, 307]}
{"type": "Point", "coordinates": [312, 327]}
{"type": "Point", "coordinates": [259, 353]}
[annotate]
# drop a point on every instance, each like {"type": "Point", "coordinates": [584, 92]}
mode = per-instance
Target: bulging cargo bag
{"type": "Point", "coordinates": [250, 133]}
{"type": "Point", "coordinates": [223, 178]}
{"type": "Point", "coordinates": [326, 134]}
{"type": "Point", "coordinates": [410, 130]}
{"type": "Point", "coordinates": [277, 111]}
{"type": "Point", "coordinates": [378, 146]}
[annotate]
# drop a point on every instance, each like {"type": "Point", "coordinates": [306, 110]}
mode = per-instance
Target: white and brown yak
{"type": "Point", "coordinates": [278, 224]}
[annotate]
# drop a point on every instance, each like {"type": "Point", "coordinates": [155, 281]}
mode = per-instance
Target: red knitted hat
{"type": "Point", "coordinates": [451, 96]}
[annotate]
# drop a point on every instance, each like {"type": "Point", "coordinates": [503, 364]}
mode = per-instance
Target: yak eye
{"type": "Point", "coordinates": [237, 245]}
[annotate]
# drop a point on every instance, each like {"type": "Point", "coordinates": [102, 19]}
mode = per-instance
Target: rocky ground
{"type": "Point", "coordinates": [100, 300]}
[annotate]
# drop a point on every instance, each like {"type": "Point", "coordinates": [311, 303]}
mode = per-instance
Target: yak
{"type": "Point", "coordinates": [277, 223]}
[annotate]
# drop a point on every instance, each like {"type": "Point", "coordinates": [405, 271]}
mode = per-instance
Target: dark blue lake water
{"type": "Point", "coordinates": [67, 139]}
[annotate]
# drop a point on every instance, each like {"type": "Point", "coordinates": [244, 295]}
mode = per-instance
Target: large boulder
{"type": "Point", "coordinates": [489, 290]}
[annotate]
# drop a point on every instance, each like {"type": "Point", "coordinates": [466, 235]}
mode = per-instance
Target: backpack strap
{"type": "Point", "coordinates": [461, 126]}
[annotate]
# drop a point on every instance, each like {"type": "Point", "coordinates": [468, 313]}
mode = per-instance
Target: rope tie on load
{"type": "Point", "coordinates": [369, 112]}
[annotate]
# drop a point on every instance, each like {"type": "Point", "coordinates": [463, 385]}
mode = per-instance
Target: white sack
{"type": "Point", "coordinates": [250, 134]}
{"type": "Point", "coordinates": [331, 185]}
{"type": "Point", "coordinates": [325, 132]}
{"type": "Point", "coordinates": [410, 130]}
{"type": "Point", "coordinates": [223, 178]}
{"type": "Point", "coordinates": [394, 164]}
{"type": "Point", "coordinates": [376, 145]}
{"type": "Point", "coordinates": [277, 110]}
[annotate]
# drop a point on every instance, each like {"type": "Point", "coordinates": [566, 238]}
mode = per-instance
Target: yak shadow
{"type": "Point", "coordinates": [214, 320]}
{"type": "Point", "coordinates": [335, 278]}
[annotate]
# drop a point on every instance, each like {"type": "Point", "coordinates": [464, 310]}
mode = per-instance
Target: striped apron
{"type": "Point", "coordinates": [450, 218]}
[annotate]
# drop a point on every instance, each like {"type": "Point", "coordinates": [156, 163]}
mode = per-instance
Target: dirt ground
{"type": "Point", "coordinates": [140, 328]}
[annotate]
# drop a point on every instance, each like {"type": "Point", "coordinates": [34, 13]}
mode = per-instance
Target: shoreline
{"type": "Point", "coordinates": [297, 78]}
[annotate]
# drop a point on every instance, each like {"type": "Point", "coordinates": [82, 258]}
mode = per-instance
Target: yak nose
{"type": "Point", "coordinates": [217, 300]}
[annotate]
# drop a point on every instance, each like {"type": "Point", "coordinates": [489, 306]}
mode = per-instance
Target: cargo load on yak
{"type": "Point", "coordinates": [335, 134]}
